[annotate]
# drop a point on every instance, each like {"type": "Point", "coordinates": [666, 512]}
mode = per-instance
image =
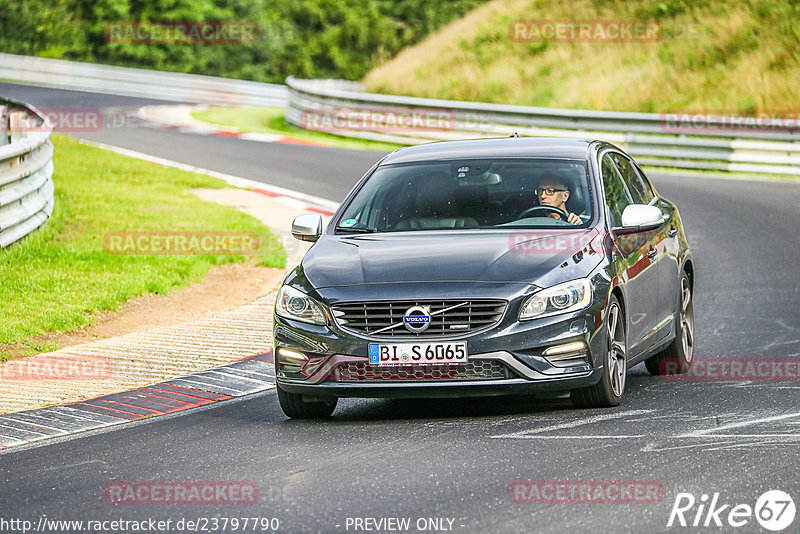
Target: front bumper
{"type": "Point", "coordinates": [441, 388]}
{"type": "Point", "coordinates": [338, 361]}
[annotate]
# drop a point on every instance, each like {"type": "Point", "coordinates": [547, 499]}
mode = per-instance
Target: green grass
{"type": "Point", "coordinates": [726, 55]}
{"type": "Point", "coordinates": [58, 277]}
{"type": "Point", "coordinates": [271, 120]}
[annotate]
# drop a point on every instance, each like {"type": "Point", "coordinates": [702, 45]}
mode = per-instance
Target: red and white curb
{"type": "Point", "coordinates": [179, 118]}
{"type": "Point", "coordinates": [245, 136]}
{"type": "Point", "coordinates": [293, 198]}
{"type": "Point", "coordinates": [249, 375]}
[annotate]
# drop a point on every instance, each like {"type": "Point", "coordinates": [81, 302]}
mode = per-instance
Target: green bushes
{"type": "Point", "coordinates": [305, 38]}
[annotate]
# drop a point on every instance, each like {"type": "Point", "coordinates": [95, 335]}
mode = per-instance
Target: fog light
{"type": "Point", "coordinates": [573, 349]}
{"type": "Point", "coordinates": [292, 357]}
{"type": "Point", "coordinates": [572, 354]}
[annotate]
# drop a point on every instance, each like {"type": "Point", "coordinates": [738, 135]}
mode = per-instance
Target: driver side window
{"type": "Point", "coordinates": [617, 196]}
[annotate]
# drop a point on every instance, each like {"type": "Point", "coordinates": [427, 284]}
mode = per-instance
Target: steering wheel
{"type": "Point", "coordinates": [564, 215]}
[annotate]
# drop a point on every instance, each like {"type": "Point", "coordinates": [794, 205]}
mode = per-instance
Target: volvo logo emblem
{"type": "Point", "coordinates": [417, 319]}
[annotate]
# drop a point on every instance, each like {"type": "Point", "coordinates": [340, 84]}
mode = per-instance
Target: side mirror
{"type": "Point", "coordinates": [640, 218]}
{"type": "Point", "coordinates": [307, 227]}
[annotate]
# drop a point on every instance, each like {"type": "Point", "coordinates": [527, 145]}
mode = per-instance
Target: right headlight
{"type": "Point", "coordinates": [294, 304]}
{"type": "Point", "coordinates": [567, 297]}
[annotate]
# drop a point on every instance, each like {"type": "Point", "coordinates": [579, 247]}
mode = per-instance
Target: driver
{"type": "Point", "coordinates": [553, 191]}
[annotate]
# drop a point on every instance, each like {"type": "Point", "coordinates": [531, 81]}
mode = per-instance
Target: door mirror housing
{"type": "Point", "coordinates": [640, 218]}
{"type": "Point", "coordinates": [307, 227]}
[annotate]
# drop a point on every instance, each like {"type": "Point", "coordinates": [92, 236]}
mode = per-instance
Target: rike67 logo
{"type": "Point", "coordinates": [774, 511]}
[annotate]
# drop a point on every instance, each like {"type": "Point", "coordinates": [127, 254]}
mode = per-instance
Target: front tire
{"type": "Point", "coordinates": [608, 392]}
{"type": "Point", "coordinates": [295, 407]}
{"type": "Point", "coordinates": [677, 357]}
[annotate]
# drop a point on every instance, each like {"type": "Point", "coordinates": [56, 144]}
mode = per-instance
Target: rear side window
{"type": "Point", "coordinates": [647, 184]}
{"type": "Point", "coordinates": [617, 196]}
{"type": "Point", "coordinates": [632, 180]}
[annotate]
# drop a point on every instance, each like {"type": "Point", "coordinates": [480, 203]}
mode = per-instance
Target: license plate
{"type": "Point", "coordinates": [417, 353]}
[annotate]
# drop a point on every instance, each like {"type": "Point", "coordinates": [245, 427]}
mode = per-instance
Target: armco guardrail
{"type": "Point", "coordinates": [170, 86]}
{"type": "Point", "coordinates": [26, 171]}
{"type": "Point", "coordinates": [648, 136]}
{"type": "Point", "coordinates": [651, 137]}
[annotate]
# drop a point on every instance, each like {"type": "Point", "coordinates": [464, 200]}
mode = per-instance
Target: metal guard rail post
{"type": "Point", "coordinates": [643, 135]}
{"type": "Point", "coordinates": [26, 171]}
{"type": "Point", "coordinates": [144, 83]}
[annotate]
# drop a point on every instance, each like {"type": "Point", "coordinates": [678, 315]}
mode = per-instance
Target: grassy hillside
{"type": "Point", "coordinates": [714, 55]}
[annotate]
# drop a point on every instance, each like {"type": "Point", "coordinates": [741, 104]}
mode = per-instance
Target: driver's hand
{"type": "Point", "coordinates": [574, 219]}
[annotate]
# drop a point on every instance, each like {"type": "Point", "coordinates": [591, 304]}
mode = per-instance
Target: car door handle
{"type": "Point", "coordinates": [651, 252]}
{"type": "Point", "coordinates": [672, 232]}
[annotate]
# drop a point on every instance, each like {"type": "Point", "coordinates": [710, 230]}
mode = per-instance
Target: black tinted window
{"type": "Point", "coordinates": [469, 194]}
{"type": "Point", "coordinates": [632, 180]}
{"type": "Point", "coordinates": [616, 194]}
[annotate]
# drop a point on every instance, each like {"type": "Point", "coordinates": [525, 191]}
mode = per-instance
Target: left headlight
{"type": "Point", "coordinates": [294, 304]}
{"type": "Point", "coordinates": [567, 297]}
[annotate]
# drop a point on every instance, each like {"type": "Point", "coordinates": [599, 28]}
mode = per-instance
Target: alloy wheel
{"type": "Point", "coordinates": [687, 319]}
{"type": "Point", "coordinates": [617, 365]}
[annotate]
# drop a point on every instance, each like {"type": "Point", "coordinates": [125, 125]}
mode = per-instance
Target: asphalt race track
{"type": "Point", "coordinates": [456, 459]}
{"type": "Point", "coordinates": [330, 173]}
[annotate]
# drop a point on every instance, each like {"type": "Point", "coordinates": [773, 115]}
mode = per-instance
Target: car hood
{"type": "Point", "coordinates": [523, 256]}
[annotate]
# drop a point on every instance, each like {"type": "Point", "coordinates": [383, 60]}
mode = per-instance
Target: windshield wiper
{"type": "Point", "coordinates": [357, 229]}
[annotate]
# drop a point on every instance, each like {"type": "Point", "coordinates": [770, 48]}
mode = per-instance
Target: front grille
{"type": "Point", "coordinates": [473, 370]}
{"type": "Point", "coordinates": [376, 318]}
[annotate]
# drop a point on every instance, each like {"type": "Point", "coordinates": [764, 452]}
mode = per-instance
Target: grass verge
{"type": "Point", "coordinates": [271, 120]}
{"type": "Point", "coordinates": [58, 277]}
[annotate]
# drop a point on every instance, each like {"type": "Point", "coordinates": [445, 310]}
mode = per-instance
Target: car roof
{"type": "Point", "coordinates": [506, 147]}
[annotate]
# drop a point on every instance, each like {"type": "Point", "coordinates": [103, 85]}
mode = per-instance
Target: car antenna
{"type": "Point", "coordinates": [515, 134]}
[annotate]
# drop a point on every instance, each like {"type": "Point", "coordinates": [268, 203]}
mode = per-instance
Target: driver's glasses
{"type": "Point", "coordinates": [549, 191]}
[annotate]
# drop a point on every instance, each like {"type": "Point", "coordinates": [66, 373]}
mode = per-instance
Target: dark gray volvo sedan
{"type": "Point", "coordinates": [487, 267]}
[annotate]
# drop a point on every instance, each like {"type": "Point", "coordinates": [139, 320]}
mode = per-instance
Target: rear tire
{"type": "Point", "coordinates": [608, 392]}
{"type": "Point", "coordinates": [295, 407]}
{"type": "Point", "coordinates": [677, 357]}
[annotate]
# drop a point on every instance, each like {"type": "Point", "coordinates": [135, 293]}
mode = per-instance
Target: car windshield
{"type": "Point", "coordinates": [471, 194]}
